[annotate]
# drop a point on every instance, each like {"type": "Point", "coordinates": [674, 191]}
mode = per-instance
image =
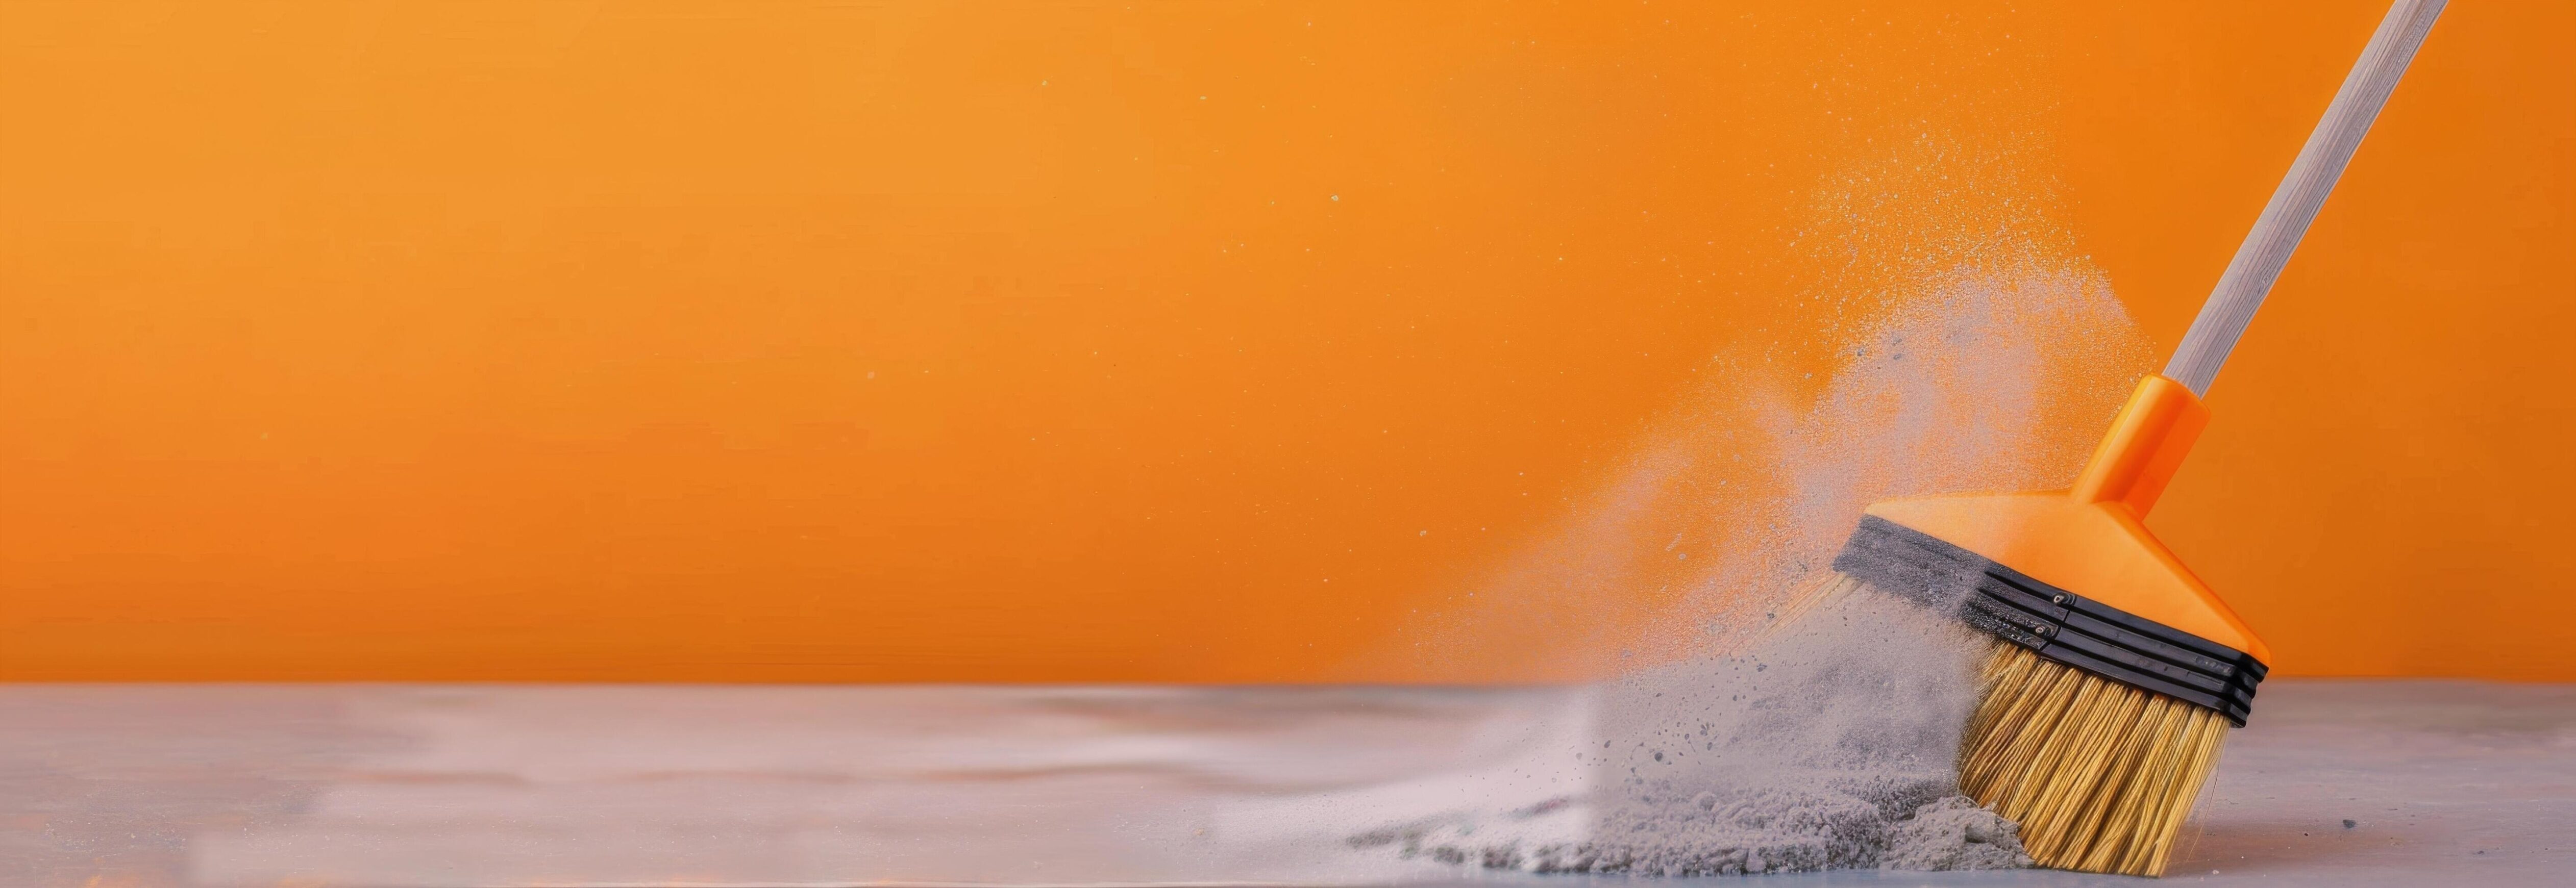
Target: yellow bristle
{"type": "Point", "coordinates": [2100, 775]}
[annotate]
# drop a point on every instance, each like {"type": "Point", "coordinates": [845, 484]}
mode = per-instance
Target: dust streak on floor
{"type": "Point", "coordinates": [396, 786]}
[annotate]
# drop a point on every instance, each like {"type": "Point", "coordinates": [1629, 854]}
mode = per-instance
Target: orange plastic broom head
{"type": "Point", "coordinates": [2072, 574]}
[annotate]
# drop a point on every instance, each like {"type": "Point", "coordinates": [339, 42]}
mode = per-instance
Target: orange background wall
{"type": "Point", "coordinates": [799, 341]}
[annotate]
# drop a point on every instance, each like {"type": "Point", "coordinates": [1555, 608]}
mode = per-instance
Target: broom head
{"type": "Point", "coordinates": [2116, 672]}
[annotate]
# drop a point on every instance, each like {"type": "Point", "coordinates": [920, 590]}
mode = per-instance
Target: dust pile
{"type": "Point", "coordinates": [1754, 744]}
{"type": "Point", "coordinates": [1827, 746]}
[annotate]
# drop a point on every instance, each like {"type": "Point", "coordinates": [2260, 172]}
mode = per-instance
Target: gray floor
{"type": "Point", "coordinates": [2442, 783]}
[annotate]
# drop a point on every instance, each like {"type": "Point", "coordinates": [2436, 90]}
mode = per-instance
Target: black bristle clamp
{"type": "Point", "coordinates": [2052, 622]}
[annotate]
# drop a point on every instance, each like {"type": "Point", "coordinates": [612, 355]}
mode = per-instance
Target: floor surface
{"type": "Point", "coordinates": [404, 786]}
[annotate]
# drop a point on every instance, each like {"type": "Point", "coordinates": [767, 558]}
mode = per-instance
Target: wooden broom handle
{"type": "Point", "coordinates": [2258, 261]}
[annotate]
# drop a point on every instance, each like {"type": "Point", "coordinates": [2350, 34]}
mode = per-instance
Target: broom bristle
{"type": "Point", "coordinates": [2100, 775]}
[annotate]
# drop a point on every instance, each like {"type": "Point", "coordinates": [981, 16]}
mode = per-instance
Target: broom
{"type": "Point", "coordinates": [2116, 673]}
